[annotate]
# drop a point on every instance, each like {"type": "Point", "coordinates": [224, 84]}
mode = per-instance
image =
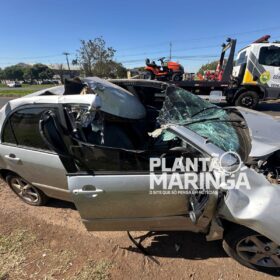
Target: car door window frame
{"type": "Point", "coordinates": [133, 151]}
{"type": "Point", "coordinates": [47, 106]}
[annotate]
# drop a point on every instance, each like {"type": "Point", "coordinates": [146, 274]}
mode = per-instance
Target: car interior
{"type": "Point", "coordinates": [112, 131]}
{"type": "Point", "coordinates": [127, 142]}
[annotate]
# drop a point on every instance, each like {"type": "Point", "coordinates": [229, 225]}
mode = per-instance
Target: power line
{"type": "Point", "coordinates": [33, 57]}
{"type": "Point", "coordinates": [206, 37]}
{"type": "Point", "coordinates": [163, 43]}
{"type": "Point", "coordinates": [184, 49]}
{"type": "Point", "coordinates": [145, 53]}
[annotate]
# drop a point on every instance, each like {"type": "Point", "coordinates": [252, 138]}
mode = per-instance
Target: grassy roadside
{"type": "Point", "coordinates": [8, 93]}
{"type": "Point", "coordinates": [18, 92]}
{"type": "Point", "coordinates": [25, 256]}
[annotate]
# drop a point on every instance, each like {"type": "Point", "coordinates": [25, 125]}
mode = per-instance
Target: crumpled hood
{"type": "Point", "coordinates": [264, 131]}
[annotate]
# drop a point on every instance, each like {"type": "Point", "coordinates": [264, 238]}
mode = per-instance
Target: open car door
{"type": "Point", "coordinates": [108, 187]}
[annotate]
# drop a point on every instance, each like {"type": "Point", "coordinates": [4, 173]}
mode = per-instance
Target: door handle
{"type": "Point", "coordinates": [12, 157]}
{"type": "Point", "coordinates": [94, 192]}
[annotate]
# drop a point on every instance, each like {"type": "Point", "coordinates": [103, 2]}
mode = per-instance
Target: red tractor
{"type": "Point", "coordinates": [167, 71]}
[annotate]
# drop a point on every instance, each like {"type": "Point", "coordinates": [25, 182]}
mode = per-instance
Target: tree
{"type": "Point", "coordinates": [47, 74]}
{"type": "Point", "coordinates": [14, 72]}
{"type": "Point", "coordinates": [2, 75]}
{"type": "Point", "coordinates": [94, 57]}
{"type": "Point", "coordinates": [109, 69]}
{"type": "Point", "coordinates": [75, 62]}
{"type": "Point", "coordinates": [27, 73]}
{"type": "Point", "coordinates": [22, 71]}
{"type": "Point", "coordinates": [209, 66]}
{"type": "Point", "coordinates": [117, 70]}
{"type": "Point", "coordinates": [140, 69]}
{"type": "Point", "coordinates": [40, 72]}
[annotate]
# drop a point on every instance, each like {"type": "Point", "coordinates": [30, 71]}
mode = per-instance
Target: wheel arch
{"type": "Point", "coordinates": [228, 226]}
{"type": "Point", "coordinates": [255, 88]}
{"type": "Point", "coordinates": [5, 172]}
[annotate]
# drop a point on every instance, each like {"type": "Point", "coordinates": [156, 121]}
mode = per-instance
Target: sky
{"type": "Point", "coordinates": [41, 30]}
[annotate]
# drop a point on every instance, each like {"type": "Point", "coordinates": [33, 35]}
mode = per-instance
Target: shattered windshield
{"type": "Point", "coordinates": [180, 106]}
{"type": "Point", "coordinates": [207, 120]}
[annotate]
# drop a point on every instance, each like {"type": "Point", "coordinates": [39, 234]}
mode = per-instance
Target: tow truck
{"type": "Point", "coordinates": [253, 77]}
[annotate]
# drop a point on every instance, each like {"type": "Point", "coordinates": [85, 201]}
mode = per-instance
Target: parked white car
{"type": "Point", "coordinates": [14, 84]}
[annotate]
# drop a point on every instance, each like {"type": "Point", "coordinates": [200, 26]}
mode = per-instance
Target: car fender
{"type": "Point", "coordinates": [257, 208]}
{"type": "Point", "coordinates": [264, 132]}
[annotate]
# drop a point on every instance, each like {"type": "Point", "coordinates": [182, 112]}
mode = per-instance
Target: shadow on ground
{"type": "Point", "coordinates": [56, 203]}
{"type": "Point", "coordinates": [274, 107]}
{"type": "Point", "coordinates": [185, 245]}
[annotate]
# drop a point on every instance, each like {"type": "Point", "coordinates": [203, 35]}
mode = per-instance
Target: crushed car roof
{"type": "Point", "coordinates": [115, 100]}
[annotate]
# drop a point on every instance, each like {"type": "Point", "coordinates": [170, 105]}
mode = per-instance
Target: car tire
{"type": "Point", "coordinates": [26, 191]}
{"type": "Point", "coordinates": [149, 75]}
{"type": "Point", "coordinates": [239, 243]}
{"type": "Point", "coordinates": [177, 77]}
{"type": "Point", "coordinates": [248, 99]}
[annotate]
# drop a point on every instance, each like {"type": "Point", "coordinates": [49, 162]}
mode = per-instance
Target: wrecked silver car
{"type": "Point", "coordinates": [103, 149]}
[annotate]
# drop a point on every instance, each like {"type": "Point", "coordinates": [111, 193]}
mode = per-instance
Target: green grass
{"type": "Point", "coordinates": [8, 93]}
{"type": "Point", "coordinates": [23, 256]}
{"type": "Point", "coordinates": [37, 86]}
{"type": "Point", "coordinates": [13, 252]}
{"type": "Point", "coordinates": [18, 92]}
{"type": "Point", "coordinates": [95, 271]}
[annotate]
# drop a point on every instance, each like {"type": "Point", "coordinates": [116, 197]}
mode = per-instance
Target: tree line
{"type": "Point", "coordinates": [93, 57]}
{"type": "Point", "coordinates": [26, 72]}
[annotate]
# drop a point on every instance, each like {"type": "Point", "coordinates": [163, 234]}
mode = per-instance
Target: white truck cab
{"type": "Point", "coordinates": [257, 68]}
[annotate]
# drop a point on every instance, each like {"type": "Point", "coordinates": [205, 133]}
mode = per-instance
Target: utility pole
{"type": "Point", "coordinates": [66, 55]}
{"type": "Point", "coordinates": [170, 50]}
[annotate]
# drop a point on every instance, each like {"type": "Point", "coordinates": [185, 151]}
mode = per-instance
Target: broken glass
{"type": "Point", "coordinates": [209, 121]}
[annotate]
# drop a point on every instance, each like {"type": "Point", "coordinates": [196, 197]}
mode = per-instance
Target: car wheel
{"type": "Point", "coordinates": [149, 75]}
{"type": "Point", "coordinates": [26, 191]}
{"type": "Point", "coordinates": [249, 99]}
{"type": "Point", "coordinates": [253, 250]}
{"type": "Point", "coordinates": [177, 78]}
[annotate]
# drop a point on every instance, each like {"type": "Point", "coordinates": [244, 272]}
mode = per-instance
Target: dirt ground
{"type": "Point", "coordinates": [51, 243]}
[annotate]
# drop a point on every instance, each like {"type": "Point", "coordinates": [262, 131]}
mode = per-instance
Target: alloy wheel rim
{"type": "Point", "coordinates": [259, 250]}
{"type": "Point", "coordinates": [25, 190]}
{"type": "Point", "coordinates": [247, 101]}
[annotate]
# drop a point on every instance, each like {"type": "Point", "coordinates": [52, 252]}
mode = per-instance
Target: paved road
{"type": "Point", "coordinates": [271, 108]}
{"type": "Point", "coordinates": [4, 100]}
